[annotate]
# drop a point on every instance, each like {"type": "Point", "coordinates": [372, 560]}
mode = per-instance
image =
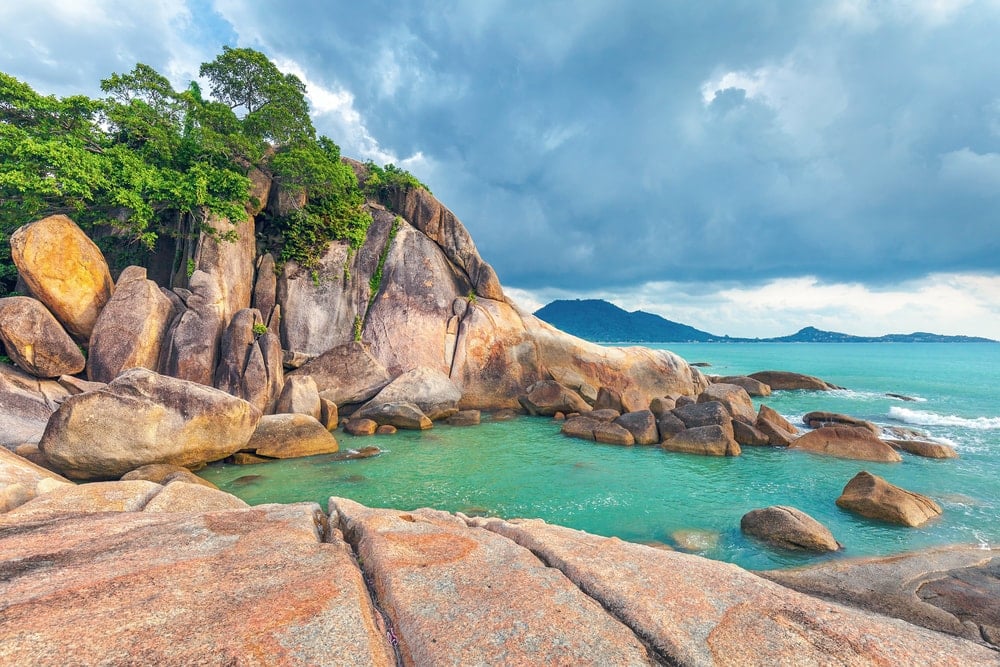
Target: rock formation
{"type": "Point", "coordinates": [846, 442]}
{"type": "Point", "coordinates": [789, 528]}
{"type": "Point", "coordinates": [35, 341]}
{"type": "Point", "coordinates": [873, 497]}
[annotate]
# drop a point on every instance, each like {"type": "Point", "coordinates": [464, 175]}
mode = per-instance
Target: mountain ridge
{"type": "Point", "coordinates": [600, 320]}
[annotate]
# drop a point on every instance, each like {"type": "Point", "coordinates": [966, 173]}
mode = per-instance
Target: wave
{"type": "Point", "coordinates": [925, 418]}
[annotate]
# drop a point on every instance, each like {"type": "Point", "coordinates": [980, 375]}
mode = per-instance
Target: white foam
{"type": "Point", "coordinates": [926, 418]}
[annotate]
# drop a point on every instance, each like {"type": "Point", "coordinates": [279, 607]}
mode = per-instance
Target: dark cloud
{"type": "Point", "coordinates": [606, 144]}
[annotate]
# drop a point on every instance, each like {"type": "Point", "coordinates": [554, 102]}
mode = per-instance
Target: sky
{"type": "Point", "coordinates": [747, 167]}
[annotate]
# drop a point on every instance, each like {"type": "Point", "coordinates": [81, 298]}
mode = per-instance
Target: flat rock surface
{"type": "Point", "coordinates": [950, 589]}
{"type": "Point", "coordinates": [694, 611]}
{"type": "Point", "coordinates": [465, 596]}
{"type": "Point", "coordinates": [241, 587]}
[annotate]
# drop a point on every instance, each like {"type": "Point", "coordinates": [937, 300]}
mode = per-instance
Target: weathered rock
{"type": "Point", "coordinates": [580, 426]}
{"type": "Point", "coordinates": [713, 440]}
{"type": "Point", "coordinates": [130, 496]}
{"type": "Point", "coordinates": [748, 435]}
{"type": "Point", "coordinates": [548, 397]}
{"type": "Point", "coordinates": [696, 540]}
{"type": "Point", "coordinates": [65, 270]}
{"type": "Point", "coordinates": [681, 401]}
{"type": "Point", "coordinates": [785, 380]}
{"type": "Point", "coordinates": [250, 362]}
{"type": "Point", "coordinates": [27, 403]}
{"type": "Point", "coordinates": [932, 450]}
{"type": "Point", "coordinates": [465, 418]}
{"type": "Point", "coordinates": [385, 429]}
{"type": "Point", "coordinates": [459, 595]}
{"type": "Point", "coordinates": [704, 414]}
{"type": "Point", "coordinates": [246, 459]}
{"type": "Point", "coordinates": [401, 415]}
{"type": "Point", "coordinates": [788, 528]}
{"type": "Point", "coordinates": [21, 480]}
{"type": "Point", "coordinates": [265, 287]}
{"type": "Point", "coordinates": [299, 396]}
{"type": "Point", "coordinates": [92, 603]}
{"type": "Point", "coordinates": [777, 429]}
{"type": "Point", "coordinates": [142, 418]}
{"type": "Point", "coordinates": [662, 405]}
{"type": "Point", "coordinates": [608, 399]}
{"type": "Point", "coordinates": [362, 453]}
{"type": "Point", "coordinates": [329, 414]}
{"type": "Point", "coordinates": [427, 388]}
{"type": "Point", "coordinates": [260, 191]}
{"type": "Point", "coordinates": [286, 436]}
{"type": "Point", "coordinates": [35, 341]}
{"type": "Point", "coordinates": [130, 330]}
{"type": "Point", "coordinates": [669, 425]}
{"type": "Point", "coordinates": [181, 496]}
{"type": "Point", "coordinates": [750, 385]}
{"type": "Point", "coordinates": [642, 426]}
{"type": "Point", "coordinates": [871, 496]}
{"type": "Point", "coordinates": [164, 473]}
{"type": "Point", "coordinates": [819, 419]}
{"type": "Point", "coordinates": [191, 345]}
{"type": "Point", "coordinates": [695, 611]}
{"type": "Point", "coordinates": [613, 434]}
{"type": "Point", "coordinates": [347, 374]}
{"type": "Point", "coordinates": [846, 442]}
{"type": "Point", "coordinates": [31, 452]}
{"type": "Point", "coordinates": [226, 253]}
{"type": "Point", "coordinates": [949, 589]}
{"type": "Point", "coordinates": [75, 385]}
{"type": "Point", "coordinates": [361, 426]}
{"type": "Point", "coordinates": [733, 397]}
{"type": "Point", "coordinates": [604, 414]}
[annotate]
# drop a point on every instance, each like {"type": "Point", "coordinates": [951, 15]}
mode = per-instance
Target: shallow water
{"type": "Point", "coordinates": [525, 468]}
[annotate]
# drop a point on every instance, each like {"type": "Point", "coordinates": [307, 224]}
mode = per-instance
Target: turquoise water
{"type": "Point", "coordinates": [525, 468]}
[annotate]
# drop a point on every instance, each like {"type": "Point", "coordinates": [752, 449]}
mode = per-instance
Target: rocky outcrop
{"type": "Point", "coordinates": [130, 329]}
{"type": "Point", "coordinates": [785, 380]}
{"type": "Point", "coordinates": [819, 419]}
{"type": "Point", "coordinates": [165, 473]}
{"type": "Point", "coordinates": [713, 440]}
{"type": "Point", "coordinates": [459, 595]}
{"type": "Point", "coordinates": [871, 496]}
{"type": "Point", "coordinates": [642, 425]}
{"type": "Point", "coordinates": [347, 374]}
{"type": "Point", "coordinates": [281, 604]}
{"type": "Point", "coordinates": [286, 436]}
{"type": "Point", "coordinates": [142, 417]}
{"type": "Point", "coordinates": [549, 397]}
{"type": "Point", "coordinates": [401, 414]}
{"type": "Point", "coordinates": [931, 450]}
{"type": "Point", "coordinates": [249, 361]}
{"type": "Point", "coordinates": [226, 252]}
{"type": "Point", "coordinates": [65, 270]}
{"type": "Point", "coordinates": [265, 288]}
{"type": "Point", "coordinates": [846, 442]}
{"type": "Point", "coordinates": [788, 528]}
{"type": "Point", "coordinates": [427, 388]}
{"type": "Point", "coordinates": [750, 385]}
{"type": "Point", "coordinates": [777, 429]}
{"type": "Point", "coordinates": [27, 404]}
{"type": "Point", "coordinates": [299, 396]}
{"type": "Point", "coordinates": [191, 349]}
{"type": "Point", "coordinates": [733, 398]}
{"type": "Point", "coordinates": [35, 341]}
{"type": "Point", "coordinates": [21, 480]}
{"type": "Point", "coordinates": [949, 589]}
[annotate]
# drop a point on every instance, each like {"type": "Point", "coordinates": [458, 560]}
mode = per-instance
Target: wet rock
{"type": "Point", "coordinates": [694, 540]}
{"type": "Point", "coordinates": [354, 454]}
{"type": "Point", "coordinates": [785, 380]}
{"type": "Point", "coordinates": [65, 270]}
{"type": "Point", "coordinates": [287, 436]}
{"type": "Point", "coordinates": [734, 398]}
{"type": "Point", "coordinates": [713, 440]}
{"type": "Point", "coordinates": [873, 497]}
{"type": "Point", "coordinates": [788, 528]}
{"type": "Point", "coordinates": [846, 442]}
{"type": "Point", "coordinates": [35, 341]}
{"type": "Point", "coordinates": [613, 434]}
{"type": "Point", "coordinates": [130, 330]}
{"type": "Point", "coordinates": [819, 419]}
{"type": "Point", "coordinates": [246, 459]}
{"type": "Point", "coordinates": [385, 429]}
{"type": "Point", "coordinates": [752, 386]}
{"type": "Point", "coordinates": [548, 397]}
{"type": "Point", "coordinates": [361, 426]}
{"type": "Point", "coordinates": [427, 388]}
{"type": "Point", "coordinates": [459, 595]}
{"type": "Point", "coordinates": [401, 415]}
{"type": "Point", "coordinates": [465, 418]}
{"type": "Point", "coordinates": [140, 418]}
{"type": "Point", "coordinates": [642, 426]}
{"type": "Point", "coordinates": [932, 450]}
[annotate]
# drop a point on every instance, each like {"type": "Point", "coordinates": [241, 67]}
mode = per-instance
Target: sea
{"type": "Point", "coordinates": [526, 468]}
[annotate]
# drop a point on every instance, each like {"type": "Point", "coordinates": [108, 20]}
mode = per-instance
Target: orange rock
{"type": "Point", "coordinates": [846, 442]}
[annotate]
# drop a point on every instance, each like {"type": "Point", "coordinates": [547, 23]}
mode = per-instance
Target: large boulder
{"type": "Point", "coordinates": [871, 496]}
{"type": "Point", "coordinates": [265, 287]}
{"type": "Point", "coordinates": [785, 380]}
{"type": "Point", "coordinates": [642, 425]}
{"type": "Point", "coordinates": [21, 480]}
{"type": "Point", "coordinates": [286, 436]}
{"type": "Point", "coordinates": [846, 442]}
{"type": "Point", "coordinates": [821, 418]}
{"type": "Point", "coordinates": [401, 414]}
{"type": "Point", "coordinates": [65, 270]}
{"type": "Point", "coordinates": [750, 385]}
{"type": "Point", "coordinates": [191, 347]}
{"type": "Point", "coordinates": [142, 417]}
{"type": "Point", "coordinates": [346, 374]}
{"type": "Point", "coordinates": [778, 430]}
{"type": "Point", "coordinates": [254, 586]}
{"type": "Point", "coordinates": [704, 414]}
{"type": "Point", "coordinates": [35, 341]}
{"type": "Point", "coordinates": [130, 330]}
{"type": "Point", "coordinates": [713, 440]}
{"type": "Point", "coordinates": [179, 496]}
{"type": "Point", "coordinates": [250, 361]}
{"type": "Point", "coordinates": [462, 596]}
{"type": "Point", "coordinates": [225, 251]}
{"type": "Point", "coordinates": [427, 388]}
{"type": "Point", "coordinates": [733, 397]}
{"type": "Point", "coordinates": [931, 450]}
{"type": "Point", "coordinates": [27, 404]}
{"type": "Point", "coordinates": [548, 397]}
{"type": "Point", "coordinates": [299, 396]}
{"type": "Point", "coordinates": [789, 528]}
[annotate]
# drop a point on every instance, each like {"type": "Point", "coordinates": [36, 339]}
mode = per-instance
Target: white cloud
{"type": "Point", "coordinates": [972, 171]}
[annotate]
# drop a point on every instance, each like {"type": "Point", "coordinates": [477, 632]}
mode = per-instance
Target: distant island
{"type": "Point", "coordinates": [601, 321]}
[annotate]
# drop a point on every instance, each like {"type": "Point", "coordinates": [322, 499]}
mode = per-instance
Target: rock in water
{"type": "Point", "coordinates": [713, 440]}
{"type": "Point", "coordinates": [427, 388]}
{"type": "Point", "coordinates": [846, 442]}
{"type": "Point", "coordinates": [299, 396]}
{"type": "Point", "coordinates": [129, 331]}
{"type": "Point", "coordinates": [65, 270]}
{"type": "Point", "coordinates": [287, 436]}
{"type": "Point", "coordinates": [35, 341]}
{"type": "Point", "coordinates": [734, 398]}
{"type": "Point", "coordinates": [871, 496]}
{"type": "Point", "coordinates": [788, 528]}
{"type": "Point", "coordinates": [549, 397]}
{"type": "Point", "coordinates": [140, 418]}
{"type": "Point", "coordinates": [784, 380]}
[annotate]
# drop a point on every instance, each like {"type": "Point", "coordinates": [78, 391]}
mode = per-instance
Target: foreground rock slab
{"type": "Point", "coordinates": [951, 589]}
{"type": "Point", "coordinates": [464, 596]}
{"type": "Point", "coordinates": [241, 587]}
{"type": "Point", "coordinates": [695, 611]}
